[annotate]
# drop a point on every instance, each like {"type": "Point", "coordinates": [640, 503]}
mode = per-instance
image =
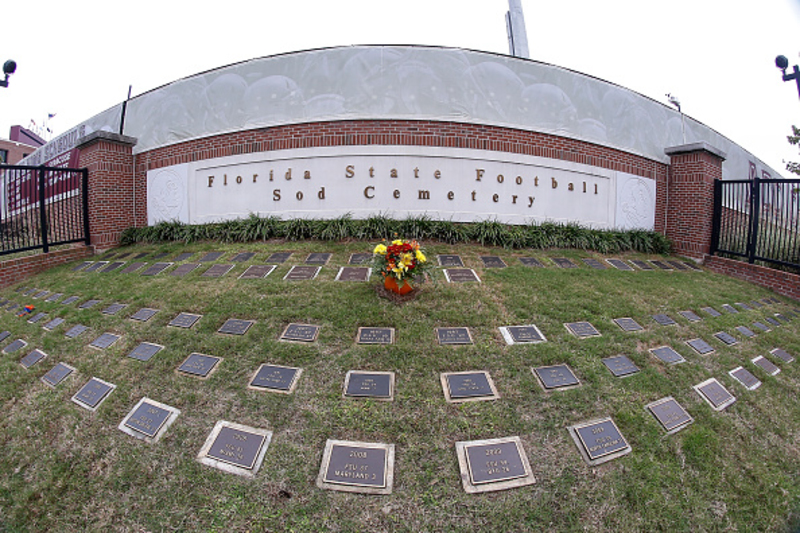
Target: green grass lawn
{"type": "Point", "coordinates": [64, 468]}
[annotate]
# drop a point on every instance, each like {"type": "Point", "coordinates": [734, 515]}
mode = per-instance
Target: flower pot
{"type": "Point", "coordinates": [390, 284]}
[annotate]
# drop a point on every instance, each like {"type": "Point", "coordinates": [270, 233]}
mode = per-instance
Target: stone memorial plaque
{"type": "Point", "coordinates": [185, 320]}
{"type": "Point", "coordinates": [183, 256]}
{"type": "Point", "coordinates": [492, 261]}
{"type": "Point", "coordinates": [199, 365]}
{"type": "Point", "coordinates": [22, 289]}
{"type": "Point", "coordinates": [112, 266]}
{"type": "Point", "coordinates": [756, 304]}
{"type": "Point", "coordinates": [57, 374]}
{"type": "Point", "coordinates": [700, 346]}
{"type": "Point", "coordinates": [449, 260]}
{"type": "Point", "coordinates": [235, 448]}
{"type": "Point", "coordinates": [729, 308]}
{"type": "Point", "coordinates": [32, 358]}
{"type": "Point", "coordinates": [522, 334]}
{"type": "Point", "coordinates": [493, 464]}
{"type": "Point", "coordinates": [140, 256]}
{"type": "Point", "coordinates": [74, 331]}
{"type": "Point", "coordinates": [772, 321]}
{"type": "Point", "coordinates": [766, 365]}
{"type": "Point", "coordinates": [88, 304]}
{"type": "Point", "coordinates": [93, 394]}
{"type": "Point", "coordinates": [302, 273]}
{"type": "Point", "coordinates": [783, 355]}
{"type": "Point", "coordinates": [318, 258]}
{"type": "Point", "coordinates": [217, 271]}
{"type": "Point", "coordinates": [453, 336]}
{"type": "Point", "coordinates": [95, 266]}
{"type": "Point", "coordinates": [133, 267]}
{"type": "Point", "coordinates": [461, 275]}
{"type": "Point", "coordinates": [210, 256]}
{"type": "Point", "coordinates": [123, 256]}
{"type": "Point", "coordinates": [40, 295]}
{"type": "Point", "coordinates": [30, 292]}
{"type": "Point", "coordinates": [599, 441]}
{"type": "Point", "coordinates": [364, 384]}
{"type": "Point", "coordinates": [300, 333]}
{"type": "Point", "coordinates": [727, 338]}
{"type": "Point", "coordinates": [678, 265]}
{"type": "Point", "coordinates": [160, 255]}
{"type": "Point", "coordinates": [235, 326]}
{"type": "Point", "coordinates": [242, 257]}
{"type": "Point", "coordinates": [664, 320]}
{"type": "Point", "coordinates": [621, 366]}
{"type": "Point", "coordinates": [642, 265]}
{"type": "Point", "coordinates": [144, 314]}
{"type": "Point", "coordinates": [70, 300]}
{"type": "Point", "coordinates": [53, 324]}
{"type": "Point", "coordinates": [106, 340]}
{"type": "Point", "coordinates": [582, 330]}
{"type": "Point", "coordinates": [714, 394]}
{"type": "Point", "coordinates": [145, 351]}
{"type": "Point", "coordinates": [692, 266]}
{"type": "Point", "coordinates": [113, 309]}
{"type": "Point", "coordinates": [38, 317]}
{"type": "Point", "coordinates": [781, 317]}
{"type": "Point", "coordinates": [555, 377]}
{"type": "Point", "coordinates": [353, 274]}
{"type": "Point", "coordinates": [691, 316]}
{"type": "Point", "coordinates": [745, 377]}
{"type": "Point", "coordinates": [563, 262]}
{"type": "Point", "coordinates": [667, 355]}
{"type": "Point", "coordinates": [363, 467]}
{"type": "Point", "coordinates": [185, 269]}
{"type": "Point", "coordinates": [156, 268]}
{"type": "Point", "coordinates": [743, 306]}
{"type": "Point", "coordinates": [359, 259]}
{"type": "Point", "coordinates": [670, 414]}
{"type": "Point", "coordinates": [110, 256]}
{"type": "Point", "coordinates": [15, 346]}
{"type": "Point", "coordinates": [148, 420]}
{"type": "Point", "coordinates": [375, 336]}
{"type": "Point", "coordinates": [4, 335]}
{"type": "Point", "coordinates": [619, 264]}
{"type": "Point", "coordinates": [766, 300]}
{"type": "Point", "coordinates": [711, 311]}
{"type": "Point", "coordinates": [279, 257]}
{"type": "Point", "coordinates": [275, 378]}
{"type": "Point", "coordinates": [762, 327]}
{"type": "Point", "coordinates": [628, 324]}
{"type": "Point", "coordinates": [661, 264]}
{"type": "Point", "coordinates": [81, 266]}
{"type": "Point", "coordinates": [257, 271]}
{"type": "Point", "coordinates": [594, 263]}
{"type": "Point", "coordinates": [468, 386]}
{"type": "Point", "coordinates": [747, 332]}
{"type": "Point", "coordinates": [54, 297]}
{"type": "Point", "coordinates": [12, 307]}
{"type": "Point", "coordinates": [531, 262]}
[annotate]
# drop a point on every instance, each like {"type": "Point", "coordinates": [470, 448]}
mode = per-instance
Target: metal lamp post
{"type": "Point", "coordinates": [782, 63]}
{"type": "Point", "coordinates": [9, 67]}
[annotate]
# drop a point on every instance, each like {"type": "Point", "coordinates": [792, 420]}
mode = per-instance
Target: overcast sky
{"type": "Point", "coordinates": [77, 58]}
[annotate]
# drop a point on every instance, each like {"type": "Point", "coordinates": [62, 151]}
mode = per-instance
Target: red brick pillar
{"type": "Point", "coordinates": [109, 158]}
{"type": "Point", "coordinates": [690, 197]}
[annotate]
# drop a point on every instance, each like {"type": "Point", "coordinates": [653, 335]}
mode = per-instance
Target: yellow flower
{"type": "Point", "coordinates": [397, 241]}
{"type": "Point", "coordinates": [421, 257]}
{"type": "Point", "coordinates": [380, 249]}
{"type": "Point", "coordinates": [407, 258]}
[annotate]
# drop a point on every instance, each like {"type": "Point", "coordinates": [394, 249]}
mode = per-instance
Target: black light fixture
{"type": "Point", "coordinates": [9, 67]}
{"type": "Point", "coordinates": [782, 63]}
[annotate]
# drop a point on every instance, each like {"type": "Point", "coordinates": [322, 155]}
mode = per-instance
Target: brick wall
{"type": "Point", "coordinates": [784, 283]}
{"type": "Point", "coordinates": [13, 271]}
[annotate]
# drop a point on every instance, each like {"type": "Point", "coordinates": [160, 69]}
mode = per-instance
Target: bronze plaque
{"type": "Point", "coordinates": [37, 318]}
{"type": "Point", "coordinates": [15, 346]}
{"type": "Point", "coordinates": [449, 260]}
{"type": "Point", "coordinates": [302, 273]}
{"type": "Point", "coordinates": [275, 377]}
{"type": "Point", "coordinates": [4, 335]}
{"type": "Point", "coordinates": [54, 297]}
{"type": "Point", "coordinates": [237, 447]}
{"type": "Point", "coordinates": [359, 259]}
{"type": "Point", "coordinates": [691, 316]}
{"type": "Point", "coordinates": [670, 414]}
{"type": "Point", "coordinates": [57, 374]}
{"type": "Point", "coordinates": [715, 393]}
{"type": "Point", "coordinates": [369, 384]}
{"type": "Point", "coordinates": [217, 271]}
{"type": "Point", "coordinates": [711, 311]}
{"type": "Point", "coordinates": [692, 266]}
{"type": "Point", "coordinates": [356, 465]}
{"type": "Point", "coordinates": [300, 333]}
{"type": "Point", "coordinates": [160, 255]}
{"type": "Point", "coordinates": [40, 295]}
{"type": "Point", "coordinates": [766, 365]}
{"type": "Point", "coordinates": [772, 321]}
{"type": "Point", "coordinates": [210, 256]}
{"type": "Point", "coordinates": [664, 320]}
{"type": "Point", "coordinates": [156, 268]}
{"type": "Point", "coordinates": [743, 306]}
{"type": "Point", "coordinates": [469, 385]}
{"type": "Point", "coordinates": [762, 327]}
{"type": "Point", "coordinates": [257, 271]}
{"type": "Point", "coordinates": [71, 299]}
{"type": "Point", "coordinates": [678, 265]}
{"type": "Point", "coordinates": [88, 304]}
{"type": "Point", "coordinates": [756, 304]}
{"type": "Point", "coordinates": [122, 256]}
{"type": "Point", "coordinates": [185, 269]}
{"type": "Point", "coordinates": [29, 292]}
{"type": "Point", "coordinates": [531, 262]}
{"type": "Point", "coordinates": [81, 266]}
{"type": "Point", "coordinates": [184, 320]}
{"type": "Point", "coordinates": [747, 332]}
{"type": "Point", "coordinates": [491, 463]}
{"type": "Point", "coordinates": [745, 377]}
{"type": "Point", "coordinates": [148, 419]}
{"type": "Point", "coordinates": [727, 338]}
{"type": "Point", "coordinates": [620, 366]}
{"type": "Point", "coordinates": [375, 336]}
{"type": "Point", "coordinates": [140, 255]}
{"type": "Point", "coordinates": [594, 263]}
{"type": "Point", "coordinates": [600, 439]}
{"type": "Point", "coordinates": [453, 336]}
{"type": "Point", "coordinates": [492, 261]}
{"type": "Point", "coordinates": [104, 341]}
{"type": "Point", "coordinates": [563, 262]}
{"type": "Point", "coordinates": [667, 355]}
{"type": "Point", "coordinates": [783, 355]}
{"type": "Point", "coordinates": [112, 266]}
{"type": "Point", "coordinates": [353, 274]}
{"type": "Point", "coordinates": [235, 326]}
{"type": "Point", "coordinates": [96, 266]}
{"type": "Point", "coordinates": [113, 309]}
{"type": "Point", "coordinates": [729, 308]}
{"type": "Point", "coordinates": [556, 376]}
{"type": "Point", "coordinates": [94, 392]}
{"type": "Point", "coordinates": [781, 317]}
{"type": "Point", "coordinates": [144, 314]}
{"type": "Point", "coordinates": [242, 257]}
{"type": "Point", "coordinates": [199, 365]}
{"type": "Point", "coordinates": [318, 258]}
{"type": "Point", "coordinates": [145, 351]}
{"type": "Point", "coordinates": [582, 330]}
{"type": "Point", "coordinates": [32, 358]}
{"type": "Point", "coordinates": [184, 256]}
{"type": "Point", "coordinates": [279, 257]}
{"type": "Point", "coordinates": [661, 264]}
{"type": "Point", "coordinates": [53, 324]}
{"type": "Point", "coordinates": [642, 265]}
{"type": "Point", "coordinates": [523, 334]}
{"type": "Point", "coordinates": [628, 324]}
{"type": "Point", "coordinates": [620, 264]}
{"type": "Point", "coordinates": [74, 331]}
{"type": "Point", "coordinates": [700, 346]}
{"type": "Point", "coordinates": [461, 275]}
{"type": "Point", "coordinates": [14, 306]}
{"type": "Point", "coordinates": [133, 267]}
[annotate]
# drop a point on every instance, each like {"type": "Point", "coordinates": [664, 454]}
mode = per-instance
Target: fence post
{"type": "Point", "coordinates": [717, 220]}
{"type": "Point", "coordinates": [752, 227]}
{"type": "Point", "coordinates": [42, 213]}
{"type": "Point", "coordinates": [85, 194]}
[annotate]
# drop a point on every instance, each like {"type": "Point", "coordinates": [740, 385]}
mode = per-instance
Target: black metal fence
{"type": "Point", "coordinates": [42, 207]}
{"type": "Point", "coordinates": [758, 220]}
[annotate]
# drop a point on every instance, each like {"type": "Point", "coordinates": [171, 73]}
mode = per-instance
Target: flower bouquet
{"type": "Point", "coordinates": [398, 263]}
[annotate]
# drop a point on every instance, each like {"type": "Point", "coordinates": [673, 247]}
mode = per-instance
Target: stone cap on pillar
{"type": "Point", "coordinates": [108, 136]}
{"type": "Point", "coordinates": [700, 146]}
